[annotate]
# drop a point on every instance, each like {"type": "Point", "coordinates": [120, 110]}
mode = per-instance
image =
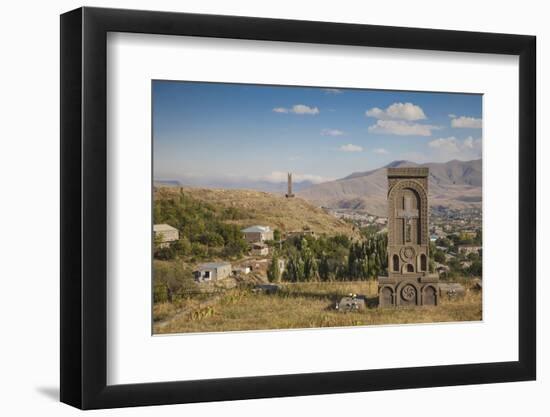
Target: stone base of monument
{"type": "Point", "coordinates": [408, 291]}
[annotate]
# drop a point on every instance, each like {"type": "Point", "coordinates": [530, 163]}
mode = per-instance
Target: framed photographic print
{"type": "Point", "coordinates": [257, 208]}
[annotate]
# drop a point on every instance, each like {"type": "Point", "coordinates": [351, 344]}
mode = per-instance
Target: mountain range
{"type": "Point", "coordinates": [453, 184]}
{"type": "Point", "coordinates": [234, 184]}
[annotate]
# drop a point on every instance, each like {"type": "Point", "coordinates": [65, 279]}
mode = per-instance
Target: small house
{"type": "Point", "coordinates": [259, 249]}
{"type": "Point", "coordinates": [241, 270]}
{"type": "Point", "coordinates": [212, 271]}
{"type": "Point", "coordinates": [165, 234]}
{"type": "Point", "coordinates": [469, 234]}
{"type": "Point", "coordinates": [300, 233]}
{"type": "Point", "coordinates": [255, 234]}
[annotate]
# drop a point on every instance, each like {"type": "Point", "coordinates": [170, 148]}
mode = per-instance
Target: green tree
{"type": "Point", "coordinates": [439, 256]}
{"type": "Point", "coordinates": [295, 268]}
{"type": "Point", "coordinates": [309, 261]}
{"type": "Point", "coordinates": [324, 268]}
{"type": "Point", "coordinates": [479, 237]}
{"type": "Point", "coordinates": [172, 280]}
{"type": "Point", "coordinates": [273, 271]}
{"type": "Point", "coordinates": [476, 268]}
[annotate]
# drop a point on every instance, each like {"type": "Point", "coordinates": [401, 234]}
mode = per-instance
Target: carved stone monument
{"type": "Point", "coordinates": [289, 193]}
{"type": "Point", "coordinates": [409, 282]}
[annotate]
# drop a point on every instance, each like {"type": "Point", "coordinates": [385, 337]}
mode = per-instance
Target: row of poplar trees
{"type": "Point", "coordinates": [365, 260]}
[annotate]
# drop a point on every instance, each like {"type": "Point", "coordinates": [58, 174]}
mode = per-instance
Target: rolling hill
{"type": "Point", "coordinates": [263, 208]}
{"type": "Point", "coordinates": [454, 184]}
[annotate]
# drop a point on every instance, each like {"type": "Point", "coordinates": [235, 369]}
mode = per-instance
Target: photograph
{"type": "Point", "coordinates": [294, 207]}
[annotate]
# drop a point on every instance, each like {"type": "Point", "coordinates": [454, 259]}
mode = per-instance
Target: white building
{"type": "Point", "coordinates": [259, 249]}
{"type": "Point", "coordinates": [467, 249]}
{"type": "Point", "coordinates": [257, 233]}
{"type": "Point", "coordinates": [212, 271]}
{"type": "Point", "coordinates": [165, 234]}
{"type": "Point", "coordinates": [241, 270]}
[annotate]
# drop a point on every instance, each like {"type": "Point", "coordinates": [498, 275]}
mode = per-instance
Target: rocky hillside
{"type": "Point", "coordinates": [257, 207]}
{"type": "Point", "coordinates": [455, 184]}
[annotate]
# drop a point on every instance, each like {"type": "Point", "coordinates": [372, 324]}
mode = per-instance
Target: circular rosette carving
{"type": "Point", "coordinates": [408, 292]}
{"type": "Point", "coordinates": [407, 253]}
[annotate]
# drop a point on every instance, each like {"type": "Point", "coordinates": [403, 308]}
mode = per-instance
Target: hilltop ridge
{"type": "Point", "coordinates": [258, 207]}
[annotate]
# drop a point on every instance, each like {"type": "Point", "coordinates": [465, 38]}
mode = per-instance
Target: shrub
{"type": "Point", "coordinates": [172, 280]}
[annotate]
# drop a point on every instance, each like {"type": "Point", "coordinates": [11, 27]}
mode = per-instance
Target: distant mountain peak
{"type": "Point", "coordinates": [400, 163]}
{"type": "Point", "coordinates": [394, 164]}
{"type": "Point", "coordinates": [452, 184]}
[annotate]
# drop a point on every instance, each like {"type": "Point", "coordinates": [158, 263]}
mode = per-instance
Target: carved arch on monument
{"type": "Point", "coordinates": [423, 262]}
{"type": "Point", "coordinates": [395, 263]}
{"type": "Point", "coordinates": [386, 296]}
{"type": "Point", "coordinates": [429, 295]}
{"type": "Point", "coordinates": [420, 190]}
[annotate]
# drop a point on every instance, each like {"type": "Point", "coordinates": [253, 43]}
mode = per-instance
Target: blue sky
{"type": "Point", "coordinates": [217, 131]}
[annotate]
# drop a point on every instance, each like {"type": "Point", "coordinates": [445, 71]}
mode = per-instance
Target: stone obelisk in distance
{"type": "Point", "coordinates": [289, 193]}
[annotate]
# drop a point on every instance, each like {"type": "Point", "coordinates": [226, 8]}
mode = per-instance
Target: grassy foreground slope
{"type": "Point", "coordinates": [303, 305]}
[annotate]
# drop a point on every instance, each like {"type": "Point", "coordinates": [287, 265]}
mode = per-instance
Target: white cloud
{"type": "Point", "coordinates": [452, 115]}
{"type": "Point", "coordinates": [397, 111]}
{"type": "Point", "coordinates": [303, 109]}
{"type": "Point", "coordinates": [466, 122]}
{"type": "Point", "coordinates": [297, 109]}
{"type": "Point", "coordinates": [333, 91]}
{"type": "Point", "coordinates": [279, 176]}
{"type": "Point", "coordinates": [380, 151]}
{"type": "Point", "coordinates": [402, 128]}
{"type": "Point", "coordinates": [350, 148]}
{"type": "Point", "coordinates": [331, 132]}
{"type": "Point", "coordinates": [444, 149]}
{"type": "Point", "coordinates": [446, 144]}
{"type": "Point", "coordinates": [280, 110]}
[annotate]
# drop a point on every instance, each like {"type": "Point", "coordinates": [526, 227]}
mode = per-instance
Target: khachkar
{"type": "Point", "coordinates": [409, 282]}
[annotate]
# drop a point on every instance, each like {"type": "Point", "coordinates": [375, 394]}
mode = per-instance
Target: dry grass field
{"type": "Point", "coordinates": [300, 305]}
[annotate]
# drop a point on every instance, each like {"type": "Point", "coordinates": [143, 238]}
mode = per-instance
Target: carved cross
{"type": "Point", "coordinates": [408, 213]}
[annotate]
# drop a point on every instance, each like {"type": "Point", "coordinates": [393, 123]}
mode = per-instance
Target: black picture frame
{"type": "Point", "coordinates": [84, 207]}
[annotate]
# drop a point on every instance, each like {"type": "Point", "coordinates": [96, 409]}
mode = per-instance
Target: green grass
{"type": "Point", "coordinates": [301, 305]}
